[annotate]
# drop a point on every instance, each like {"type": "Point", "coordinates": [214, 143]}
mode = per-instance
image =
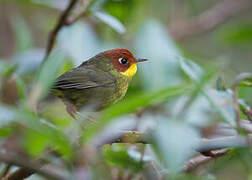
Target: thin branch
{"type": "Point", "coordinates": [6, 170]}
{"type": "Point", "coordinates": [199, 160]}
{"type": "Point", "coordinates": [236, 105]}
{"type": "Point", "coordinates": [28, 167]}
{"type": "Point", "coordinates": [238, 80]}
{"type": "Point", "coordinates": [209, 19]}
{"type": "Point", "coordinates": [204, 145]}
{"type": "Point", "coordinates": [60, 23]}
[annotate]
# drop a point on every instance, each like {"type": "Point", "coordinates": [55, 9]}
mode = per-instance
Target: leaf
{"type": "Point", "coordinates": [57, 139]}
{"type": "Point", "coordinates": [236, 34]}
{"type": "Point", "coordinates": [243, 80]}
{"type": "Point", "coordinates": [29, 61]}
{"type": "Point", "coordinates": [35, 143]}
{"type": "Point", "coordinates": [7, 115]}
{"type": "Point", "coordinates": [7, 69]}
{"type": "Point", "coordinates": [117, 155]}
{"type": "Point", "coordinates": [23, 34]}
{"type": "Point", "coordinates": [175, 141]}
{"type": "Point", "coordinates": [191, 69]}
{"type": "Point", "coordinates": [20, 88]}
{"type": "Point", "coordinates": [111, 21]}
{"type": "Point", "coordinates": [46, 77]}
{"type": "Point", "coordinates": [220, 84]}
{"type": "Point", "coordinates": [132, 104]}
{"type": "Point", "coordinates": [162, 70]}
{"type": "Point", "coordinates": [73, 41]}
{"type": "Point", "coordinates": [215, 98]}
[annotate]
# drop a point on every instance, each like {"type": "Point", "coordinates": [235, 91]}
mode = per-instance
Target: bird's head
{"type": "Point", "coordinates": [123, 61]}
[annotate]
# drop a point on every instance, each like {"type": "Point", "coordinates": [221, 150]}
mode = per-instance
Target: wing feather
{"type": "Point", "coordinates": [83, 78]}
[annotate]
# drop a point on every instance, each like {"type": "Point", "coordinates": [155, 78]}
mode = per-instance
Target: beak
{"type": "Point", "coordinates": [140, 60]}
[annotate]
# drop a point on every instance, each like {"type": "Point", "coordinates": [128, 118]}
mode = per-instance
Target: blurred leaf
{"type": "Point", "coordinates": [221, 101]}
{"type": "Point", "coordinates": [7, 69]}
{"type": "Point", "coordinates": [23, 35]}
{"type": "Point", "coordinates": [220, 84]}
{"type": "Point", "coordinates": [35, 143]}
{"type": "Point", "coordinates": [117, 154]}
{"type": "Point", "coordinates": [58, 4]}
{"type": "Point", "coordinates": [73, 41]}
{"type": "Point", "coordinates": [162, 69]}
{"type": "Point", "coordinates": [7, 115]}
{"type": "Point", "coordinates": [111, 21]}
{"type": "Point", "coordinates": [94, 5]}
{"type": "Point", "coordinates": [55, 112]}
{"type": "Point", "coordinates": [53, 135]}
{"type": "Point", "coordinates": [132, 104]}
{"type": "Point", "coordinates": [46, 77]}
{"type": "Point", "coordinates": [236, 34]}
{"type": "Point", "coordinates": [175, 141]}
{"type": "Point", "coordinates": [29, 61]}
{"type": "Point", "coordinates": [195, 107]}
{"type": "Point", "coordinates": [66, 67]}
{"type": "Point", "coordinates": [191, 69]}
{"type": "Point", "coordinates": [243, 80]}
{"type": "Point", "coordinates": [21, 88]}
{"type": "Point", "coordinates": [5, 131]}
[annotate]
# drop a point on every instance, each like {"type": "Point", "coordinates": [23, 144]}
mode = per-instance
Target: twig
{"type": "Point", "coordinates": [28, 167]}
{"type": "Point", "coordinates": [21, 173]}
{"type": "Point", "coordinates": [238, 80]}
{"type": "Point", "coordinates": [199, 160]}
{"type": "Point", "coordinates": [236, 105]}
{"type": "Point", "coordinates": [62, 21]}
{"type": "Point", "coordinates": [209, 19]}
{"type": "Point", "coordinates": [6, 170]}
{"type": "Point", "coordinates": [204, 145]}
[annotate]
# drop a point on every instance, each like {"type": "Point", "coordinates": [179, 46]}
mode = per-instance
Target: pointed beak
{"type": "Point", "coordinates": [140, 60]}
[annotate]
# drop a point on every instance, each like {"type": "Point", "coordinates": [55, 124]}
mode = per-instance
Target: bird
{"type": "Point", "coordinates": [98, 82]}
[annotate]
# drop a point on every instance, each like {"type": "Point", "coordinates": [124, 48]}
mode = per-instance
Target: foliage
{"type": "Point", "coordinates": [173, 99]}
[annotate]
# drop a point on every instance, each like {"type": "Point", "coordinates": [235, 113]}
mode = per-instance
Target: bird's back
{"type": "Point", "coordinates": [91, 85]}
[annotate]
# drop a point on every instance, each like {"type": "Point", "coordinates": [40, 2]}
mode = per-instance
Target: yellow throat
{"type": "Point", "coordinates": [131, 71]}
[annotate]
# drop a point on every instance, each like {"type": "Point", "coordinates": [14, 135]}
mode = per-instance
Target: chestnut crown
{"type": "Point", "coordinates": [123, 60]}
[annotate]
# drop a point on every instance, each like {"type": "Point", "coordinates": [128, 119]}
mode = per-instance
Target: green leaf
{"type": "Point", "coordinates": [175, 141]}
{"type": "Point", "coordinates": [5, 131]}
{"type": "Point", "coordinates": [193, 70]}
{"type": "Point", "coordinates": [244, 80]}
{"type": "Point", "coordinates": [162, 70]}
{"type": "Point", "coordinates": [7, 115]}
{"type": "Point", "coordinates": [132, 104]}
{"type": "Point", "coordinates": [7, 69]}
{"type": "Point", "coordinates": [57, 139]}
{"type": "Point", "coordinates": [72, 40]}
{"type": "Point", "coordinates": [46, 77]}
{"type": "Point", "coordinates": [23, 34]}
{"type": "Point", "coordinates": [111, 21]}
{"type": "Point", "coordinates": [214, 97]}
{"type": "Point", "coordinates": [35, 143]}
{"type": "Point", "coordinates": [21, 88]}
{"type": "Point", "coordinates": [236, 34]}
{"type": "Point", "coordinates": [117, 154]}
{"type": "Point", "coordinates": [220, 84]}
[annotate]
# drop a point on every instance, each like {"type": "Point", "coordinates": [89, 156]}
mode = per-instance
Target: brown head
{"type": "Point", "coordinates": [123, 61]}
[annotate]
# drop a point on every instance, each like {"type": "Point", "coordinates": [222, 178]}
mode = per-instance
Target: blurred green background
{"type": "Point", "coordinates": [215, 34]}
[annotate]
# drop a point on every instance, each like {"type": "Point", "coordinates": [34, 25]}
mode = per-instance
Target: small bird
{"type": "Point", "coordinates": [98, 82]}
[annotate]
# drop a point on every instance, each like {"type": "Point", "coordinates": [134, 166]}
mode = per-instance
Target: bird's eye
{"type": "Point", "coordinates": [123, 60]}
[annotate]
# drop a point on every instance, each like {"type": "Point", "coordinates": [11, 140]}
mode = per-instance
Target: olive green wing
{"type": "Point", "coordinates": [84, 78]}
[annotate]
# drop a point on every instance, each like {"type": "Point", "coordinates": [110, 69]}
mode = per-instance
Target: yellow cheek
{"type": "Point", "coordinates": [131, 71]}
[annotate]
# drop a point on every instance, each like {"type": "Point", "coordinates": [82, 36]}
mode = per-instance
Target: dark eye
{"type": "Point", "coordinates": [123, 60]}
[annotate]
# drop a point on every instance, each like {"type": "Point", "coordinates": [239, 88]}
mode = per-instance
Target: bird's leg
{"type": "Point", "coordinates": [71, 109]}
{"type": "Point", "coordinates": [90, 119]}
